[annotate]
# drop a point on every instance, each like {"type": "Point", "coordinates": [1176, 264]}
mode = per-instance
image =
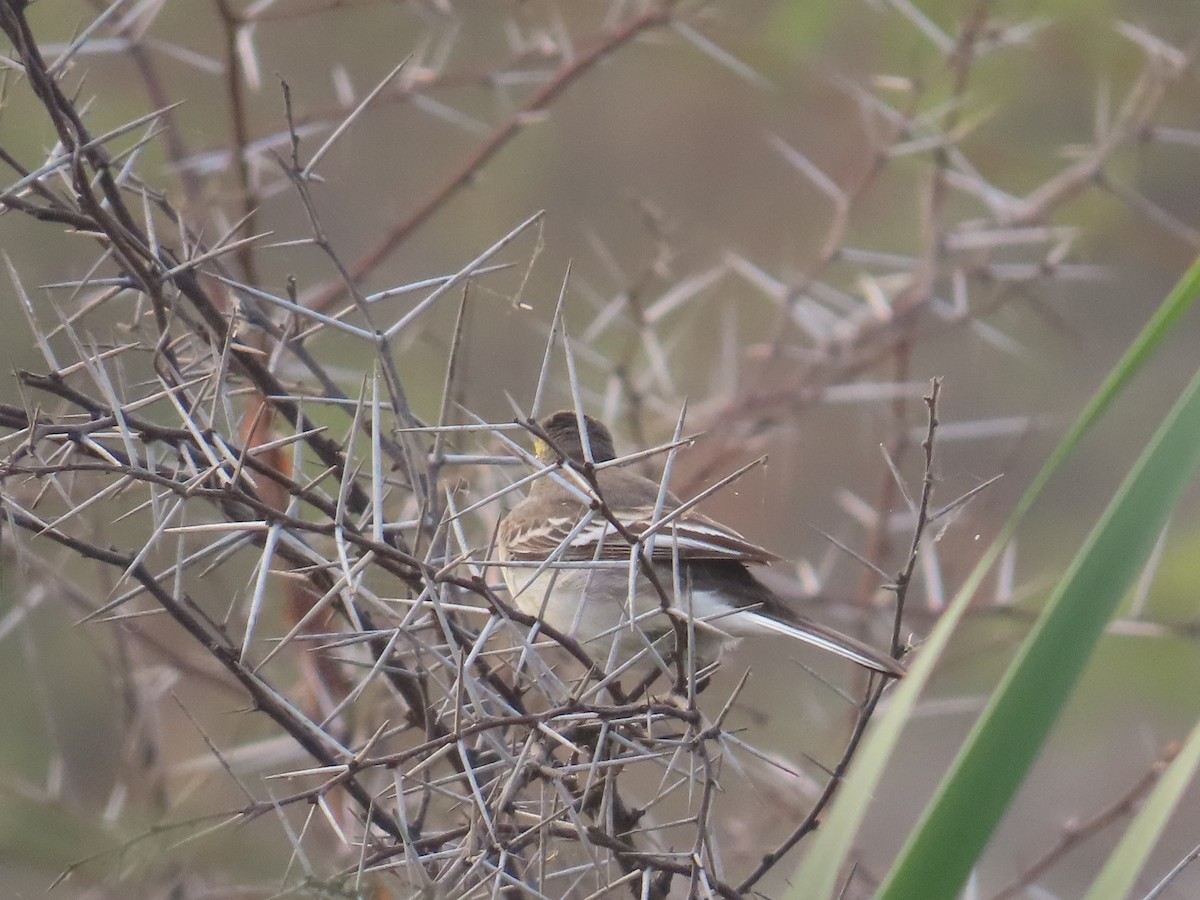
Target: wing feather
{"type": "Point", "coordinates": [691, 535]}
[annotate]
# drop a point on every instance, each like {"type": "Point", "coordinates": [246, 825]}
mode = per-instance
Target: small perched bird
{"type": "Point", "coordinates": [585, 590]}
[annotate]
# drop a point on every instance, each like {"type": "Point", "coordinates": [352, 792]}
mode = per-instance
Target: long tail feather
{"type": "Point", "coordinates": [823, 637]}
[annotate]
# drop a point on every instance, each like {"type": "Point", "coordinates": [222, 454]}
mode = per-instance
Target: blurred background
{"type": "Point", "coordinates": [790, 215]}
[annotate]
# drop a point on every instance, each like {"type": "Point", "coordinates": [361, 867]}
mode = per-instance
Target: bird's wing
{"type": "Point", "coordinates": [690, 535]}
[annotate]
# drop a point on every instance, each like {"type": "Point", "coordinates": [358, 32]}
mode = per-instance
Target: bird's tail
{"type": "Point", "coordinates": [821, 636]}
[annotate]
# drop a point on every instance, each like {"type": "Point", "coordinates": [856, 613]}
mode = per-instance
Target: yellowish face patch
{"type": "Point", "coordinates": [541, 449]}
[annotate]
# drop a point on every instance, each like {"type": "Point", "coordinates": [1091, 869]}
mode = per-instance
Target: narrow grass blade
{"type": "Point", "coordinates": [819, 874]}
{"type": "Point", "coordinates": [1002, 746]}
{"type": "Point", "coordinates": [1117, 877]}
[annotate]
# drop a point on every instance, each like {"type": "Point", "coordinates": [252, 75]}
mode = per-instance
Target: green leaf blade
{"type": "Point", "coordinates": [819, 873]}
{"type": "Point", "coordinates": [998, 753]}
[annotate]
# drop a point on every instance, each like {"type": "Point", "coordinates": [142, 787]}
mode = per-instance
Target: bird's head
{"type": "Point", "coordinates": [562, 429]}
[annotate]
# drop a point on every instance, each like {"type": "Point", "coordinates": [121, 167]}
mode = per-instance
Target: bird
{"type": "Point", "coordinates": [565, 556]}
